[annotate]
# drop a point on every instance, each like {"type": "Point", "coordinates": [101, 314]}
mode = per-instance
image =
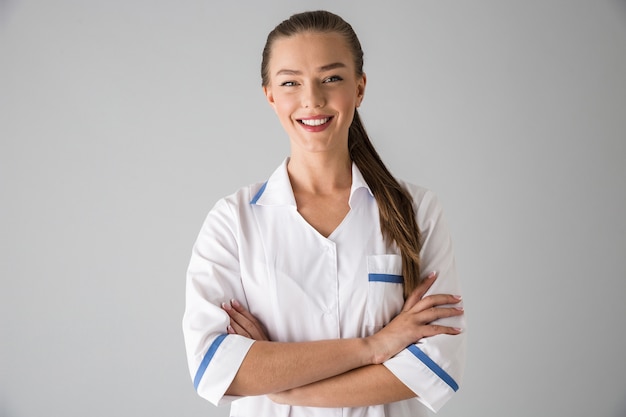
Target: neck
{"type": "Point", "coordinates": [320, 173]}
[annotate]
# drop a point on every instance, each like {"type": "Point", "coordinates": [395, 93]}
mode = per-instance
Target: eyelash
{"type": "Point", "coordinates": [331, 79]}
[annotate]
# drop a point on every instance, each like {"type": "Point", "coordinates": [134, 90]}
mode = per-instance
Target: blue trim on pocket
{"type": "Point", "coordinates": [433, 366]}
{"type": "Point", "coordinates": [258, 194]}
{"type": "Point", "coordinates": [207, 358]}
{"type": "Point", "coordinates": [394, 279]}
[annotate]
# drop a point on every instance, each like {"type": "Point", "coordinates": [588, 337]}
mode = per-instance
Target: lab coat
{"type": "Point", "coordinates": [256, 248]}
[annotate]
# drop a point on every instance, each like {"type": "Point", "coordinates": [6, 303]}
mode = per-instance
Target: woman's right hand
{"type": "Point", "coordinates": [243, 323]}
{"type": "Point", "coordinates": [415, 321]}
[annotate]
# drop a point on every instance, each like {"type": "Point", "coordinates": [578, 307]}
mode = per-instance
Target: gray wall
{"type": "Point", "coordinates": [122, 122]}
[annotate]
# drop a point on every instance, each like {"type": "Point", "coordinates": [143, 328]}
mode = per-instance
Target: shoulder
{"type": "Point", "coordinates": [277, 185]}
{"type": "Point", "coordinates": [421, 195]}
{"type": "Point", "coordinates": [229, 213]}
{"type": "Point", "coordinates": [425, 201]}
{"type": "Point", "coordinates": [240, 200]}
{"type": "Point", "coordinates": [245, 196]}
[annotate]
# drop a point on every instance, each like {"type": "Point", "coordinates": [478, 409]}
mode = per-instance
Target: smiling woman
{"type": "Point", "coordinates": [314, 89]}
{"type": "Point", "coordinates": [331, 285]}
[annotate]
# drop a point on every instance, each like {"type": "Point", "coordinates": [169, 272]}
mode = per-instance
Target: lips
{"type": "Point", "coordinates": [316, 123]}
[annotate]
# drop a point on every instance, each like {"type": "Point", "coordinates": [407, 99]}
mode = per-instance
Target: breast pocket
{"type": "Point", "coordinates": [385, 296]}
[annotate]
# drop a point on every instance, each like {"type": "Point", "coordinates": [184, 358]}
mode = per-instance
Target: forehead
{"type": "Point", "coordinates": [308, 51]}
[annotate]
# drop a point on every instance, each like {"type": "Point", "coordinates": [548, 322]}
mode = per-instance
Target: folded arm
{"type": "Point", "coordinates": [369, 385]}
{"type": "Point", "coordinates": [342, 372]}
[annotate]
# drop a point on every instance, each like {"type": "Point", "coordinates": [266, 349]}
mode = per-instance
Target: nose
{"type": "Point", "coordinates": [313, 96]}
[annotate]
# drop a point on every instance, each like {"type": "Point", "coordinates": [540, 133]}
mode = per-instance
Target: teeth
{"type": "Point", "coordinates": [315, 122]}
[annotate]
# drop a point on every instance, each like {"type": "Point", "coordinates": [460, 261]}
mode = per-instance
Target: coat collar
{"type": "Point", "coordinates": [277, 191]}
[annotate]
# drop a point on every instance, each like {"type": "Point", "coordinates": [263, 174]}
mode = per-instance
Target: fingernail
{"type": "Point", "coordinates": [235, 303]}
{"type": "Point", "coordinates": [458, 297]}
{"type": "Point", "coordinates": [230, 329]}
{"type": "Point", "coordinates": [460, 308]}
{"type": "Point", "coordinates": [433, 274]}
{"type": "Point", "coordinates": [458, 329]}
{"type": "Point", "coordinates": [226, 306]}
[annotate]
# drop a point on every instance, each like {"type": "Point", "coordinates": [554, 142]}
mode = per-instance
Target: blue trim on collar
{"type": "Point", "coordinates": [433, 366]}
{"type": "Point", "coordinates": [394, 279]}
{"type": "Point", "coordinates": [207, 359]}
{"type": "Point", "coordinates": [258, 194]}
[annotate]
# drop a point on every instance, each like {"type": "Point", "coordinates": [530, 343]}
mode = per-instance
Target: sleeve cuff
{"type": "Point", "coordinates": [433, 383]}
{"type": "Point", "coordinates": [219, 367]}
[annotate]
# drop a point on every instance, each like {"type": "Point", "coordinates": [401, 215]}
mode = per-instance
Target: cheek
{"type": "Point", "coordinates": [283, 113]}
{"type": "Point", "coordinates": [347, 99]}
{"type": "Point", "coordinates": [284, 106]}
{"type": "Point", "coordinates": [346, 108]}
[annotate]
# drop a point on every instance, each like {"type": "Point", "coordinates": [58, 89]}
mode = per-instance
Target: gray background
{"type": "Point", "coordinates": [122, 122]}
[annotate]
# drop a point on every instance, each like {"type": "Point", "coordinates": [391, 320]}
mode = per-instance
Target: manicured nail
{"type": "Point", "coordinates": [459, 308]}
{"type": "Point", "coordinates": [458, 297]}
{"type": "Point", "coordinates": [433, 274]}
{"type": "Point", "coordinates": [458, 329]}
{"type": "Point", "coordinates": [235, 303]}
{"type": "Point", "coordinates": [230, 329]}
{"type": "Point", "coordinates": [226, 306]}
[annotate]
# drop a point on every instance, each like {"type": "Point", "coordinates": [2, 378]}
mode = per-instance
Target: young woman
{"type": "Point", "coordinates": [315, 292]}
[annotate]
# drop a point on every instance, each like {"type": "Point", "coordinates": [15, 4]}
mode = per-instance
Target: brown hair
{"type": "Point", "coordinates": [395, 205]}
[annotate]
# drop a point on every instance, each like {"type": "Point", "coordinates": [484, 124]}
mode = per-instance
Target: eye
{"type": "Point", "coordinates": [332, 79]}
{"type": "Point", "coordinates": [288, 84]}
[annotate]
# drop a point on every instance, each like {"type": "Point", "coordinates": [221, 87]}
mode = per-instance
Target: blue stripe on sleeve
{"type": "Point", "coordinates": [207, 358]}
{"type": "Point", "coordinates": [433, 366]}
{"type": "Point", "coordinates": [258, 194]}
{"type": "Point", "coordinates": [395, 279]}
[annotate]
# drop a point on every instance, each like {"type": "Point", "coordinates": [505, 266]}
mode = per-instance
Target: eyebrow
{"type": "Point", "coordinates": [323, 68]}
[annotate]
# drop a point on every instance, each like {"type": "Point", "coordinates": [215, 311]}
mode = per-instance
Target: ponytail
{"type": "Point", "coordinates": [395, 205]}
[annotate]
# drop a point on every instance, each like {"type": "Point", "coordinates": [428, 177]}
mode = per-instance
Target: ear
{"type": "Point", "coordinates": [267, 90]}
{"type": "Point", "coordinates": [360, 89]}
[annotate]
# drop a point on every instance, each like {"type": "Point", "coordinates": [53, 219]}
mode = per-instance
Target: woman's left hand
{"type": "Point", "coordinates": [243, 323]}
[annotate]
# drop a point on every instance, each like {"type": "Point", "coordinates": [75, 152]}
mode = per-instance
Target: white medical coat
{"type": "Point", "coordinates": [256, 248]}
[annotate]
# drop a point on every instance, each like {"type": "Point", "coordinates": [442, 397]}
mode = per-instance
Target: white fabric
{"type": "Point", "coordinates": [256, 248]}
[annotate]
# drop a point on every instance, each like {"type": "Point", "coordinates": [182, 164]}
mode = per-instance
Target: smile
{"type": "Point", "coordinates": [314, 122]}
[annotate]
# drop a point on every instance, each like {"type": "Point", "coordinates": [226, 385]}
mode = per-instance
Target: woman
{"type": "Point", "coordinates": [307, 294]}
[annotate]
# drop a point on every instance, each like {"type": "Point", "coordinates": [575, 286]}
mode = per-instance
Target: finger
{"type": "Point", "coordinates": [242, 310]}
{"type": "Point", "coordinates": [243, 322]}
{"type": "Point", "coordinates": [434, 330]}
{"type": "Point", "coordinates": [436, 313]}
{"type": "Point", "coordinates": [257, 329]}
{"type": "Point", "coordinates": [236, 316]}
{"type": "Point", "coordinates": [419, 292]}
{"type": "Point", "coordinates": [436, 300]}
{"type": "Point", "coordinates": [239, 329]}
{"type": "Point", "coordinates": [249, 322]}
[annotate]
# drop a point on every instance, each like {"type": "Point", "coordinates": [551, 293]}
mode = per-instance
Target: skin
{"type": "Point", "coordinates": [369, 383]}
{"type": "Point", "coordinates": [312, 75]}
